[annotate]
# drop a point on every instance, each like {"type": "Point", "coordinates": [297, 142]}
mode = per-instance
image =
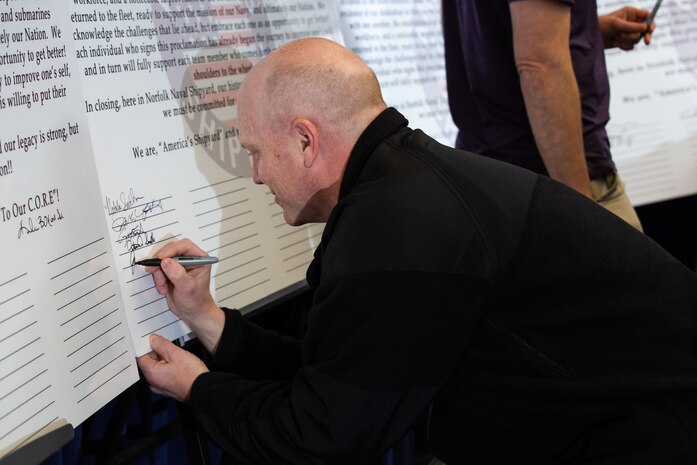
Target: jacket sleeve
{"type": "Point", "coordinates": [365, 379]}
{"type": "Point", "coordinates": [254, 352]}
{"type": "Point", "coordinates": [405, 272]}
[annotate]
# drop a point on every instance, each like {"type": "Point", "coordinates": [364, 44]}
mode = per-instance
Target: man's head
{"type": "Point", "coordinates": [301, 110]}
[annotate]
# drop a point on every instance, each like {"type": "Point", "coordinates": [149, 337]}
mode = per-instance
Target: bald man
{"type": "Point", "coordinates": [447, 285]}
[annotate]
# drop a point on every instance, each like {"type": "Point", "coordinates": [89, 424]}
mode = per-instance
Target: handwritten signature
{"type": "Point", "coordinates": [134, 215]}
{"type": "Point", "coordinates": [621, 134]}
{"type": "Point", "coordinates": [42, 221]}
{"type": "Point", "coordinates": [123, 202]}
{"type": "Point", "coordinates": [135, 242]}
{"type": "Point", "coordinates": [119, 223]}
{"type": "Point", "coordinates": [128, 222]}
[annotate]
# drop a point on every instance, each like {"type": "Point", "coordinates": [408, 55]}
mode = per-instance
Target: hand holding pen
{"type": "Point", "coordinates": [179, 274]}
{"type": "Point", "coordinates": [650, 26]}
{"type": "Point", "coordinates": [625, 27]}
{"type": "Point", "coordinates": [183, 261]}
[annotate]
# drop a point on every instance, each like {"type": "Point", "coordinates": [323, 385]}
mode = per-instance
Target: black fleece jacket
{"type": "Point", "coordinates": [531, 325]}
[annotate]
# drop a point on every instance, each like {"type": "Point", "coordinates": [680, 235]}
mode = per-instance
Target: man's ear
{"type": "Point", "coordinates": [306, 134]}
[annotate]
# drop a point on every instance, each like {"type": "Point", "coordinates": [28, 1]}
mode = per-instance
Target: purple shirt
{"type": "Point", "coordinates": [484, 88]}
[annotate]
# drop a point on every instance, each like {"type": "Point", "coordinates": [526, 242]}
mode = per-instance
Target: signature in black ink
{"type": "Point", "coordinates": [30, 228]}
{"type": "Point", "coordinates": [152, 205]}
{"type": "Point", "coordinates": [621, 134]}
{"type": "Point", "coordinates": [134, 243]}
{"type": "Point", "coordinates": [124, 202]}
{"type": "Point", "coordinates": [120, 223]}
{"type": "Point", "coordinates": [42, 221]}
{"type": "Point", "coordinates": [134, 232]}
{"type": "Point", "coordinates": [129, 217]}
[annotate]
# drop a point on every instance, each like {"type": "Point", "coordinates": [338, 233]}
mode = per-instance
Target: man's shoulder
{"type": "Point", "coordinates": [473, 180]}
{"type": "Point", "coordinates": [417, 202]}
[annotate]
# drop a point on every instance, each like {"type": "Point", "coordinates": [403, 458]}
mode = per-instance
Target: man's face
{"type": "Point", "coordinates": [277, 162]}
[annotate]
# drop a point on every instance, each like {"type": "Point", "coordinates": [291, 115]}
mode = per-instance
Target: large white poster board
{"type": "Point", "coordinates": [653, 110]}
{"type": "Point", "coordinates": [403, 43]}
{"type": "Point", "coordinates": [118, 135]}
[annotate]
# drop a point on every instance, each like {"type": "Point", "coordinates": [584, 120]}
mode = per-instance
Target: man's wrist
{"type": "Point", "coordinates": [208, 328]}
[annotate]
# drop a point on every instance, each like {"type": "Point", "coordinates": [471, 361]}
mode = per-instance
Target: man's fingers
{"type": "Point", "coordinates": [176, 274]}
{"type": "Point", "coordinates": [163, 347]}
{"type": "Point", "coordinates": [147, 362]}
{"type": "Point", "coordinates": [144, 361]}
{"type": "Point", "coordinates": [161, 281]}
{"type": "Point", "coordinates": [634, 14]}
{"type": "Point", "coordinates": [628, 27]}
{"type": "Point", "coordinates": [173, 270]}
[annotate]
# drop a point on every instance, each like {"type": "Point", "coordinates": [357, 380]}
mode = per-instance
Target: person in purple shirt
{"type": "Point", "coordinates": [528, 85]}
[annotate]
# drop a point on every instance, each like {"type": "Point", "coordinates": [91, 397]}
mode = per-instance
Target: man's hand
{"type": "Point", "coordinates": [623, 28]}
{"type": "Point", "coordinates": [187, 290]}
{"type": "Point", "coordinates": [188, 293]}
{"type": "Point", "coordinates": [169, 370]}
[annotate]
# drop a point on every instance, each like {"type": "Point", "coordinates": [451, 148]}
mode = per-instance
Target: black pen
{"type": "Point", "coordinates": [652, 15]}
{"type": "Point", "coordinates": [183, 261]}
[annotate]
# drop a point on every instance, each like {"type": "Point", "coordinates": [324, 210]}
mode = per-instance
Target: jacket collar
{"type": "Point", "coordinates": [387, 123]}
{"type": "Point", "coordinates": [384, 125]}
